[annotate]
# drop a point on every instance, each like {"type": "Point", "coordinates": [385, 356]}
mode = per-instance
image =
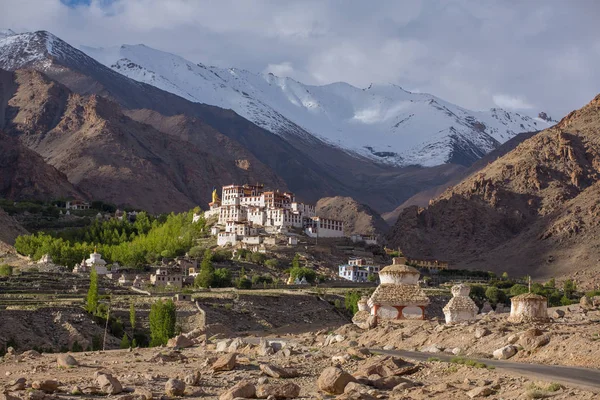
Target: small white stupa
{"type": "Point", "coordinates": [96, 261]}
{"type": "Point", "coordinates": [461, 307]}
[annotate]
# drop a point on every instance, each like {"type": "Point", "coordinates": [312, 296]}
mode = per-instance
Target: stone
{"type": "Point", "coordinates": [512, 339]}
{"type": "Point", "coordinates": [359, 352]}
{"type": "Point", "coordinates": [333, 380]}
{"type": "Point", "coordinates": [596, 301]}
{"type": "Point", "coordinates": [235, 345]}
{"type": "Point", "coordinates": [243, 389]}
{"type": "Point", "coordinates": [264, 348]}
{"type": "Point", "coordinates": [388, 347]}
{"type": "Point", "coordinates": [287, 390]}
{"type": "Point", "coordinates": [275, 371]}
{"type": "Point", "coordinates": [223, 345]}
{"type": "Point", "coordinates": [389, 382]}
{"type": "Point", "coordinates": [192, 379]}
{"type": "Point", "coordinates": [108, 384]}
{"type": "Point", "coordinates": [31, 354]}
{"type": "Point", "coordinates": [36, 395]}
{"type": "Point", "coordinates": [480, 392]}
{"type": "Point", "coordinates": [180, 342]}
{"type": "Point", "coordinates": [532, 341]}
{"type": "Point", "coordinates": [225, 363]}
{"type": "Point", "coordinates": [46, 386]}
{"type": "Point", "coordinates": [434, 348]}
{"type": "Point", "coordinates": [342, 359]}
{"type": "Point", "coordinates": [17, 384]}
{"type": "Point", "coordinates": [505, 352]}
{"type": "Point", "coordinates": [143, 393]}
{"type": "Point", "coordinates": [66, 361]}
{"type": "Point", "coordinates": [174, 388]}
{"type": "Point", "coordinates": [7, 396]}
{"type": "Point", "coordinates": [481, 332]}
{"type": "Point", "coordinates": [456, 351]}
{"type": "Point", "coordinates": [387, 366]}
{"type": "Point", "coordinates": [558, 314]}
{"type": "Point", "coordinates": [585, 302]}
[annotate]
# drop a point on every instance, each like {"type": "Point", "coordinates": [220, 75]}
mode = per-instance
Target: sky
{"type": "Point", "coordinates": [527, 56]}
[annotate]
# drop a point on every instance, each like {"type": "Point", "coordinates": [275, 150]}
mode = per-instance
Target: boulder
{"type": "Point", "coordinates": [243, 389]}
{"type": "Point", "coordinates": [108, 384]}
{"type": "Point", "coordinates": [223, 345]}
{"type": "Point", "coordinates": [596, 301]}
{"type": "Point", "coordinates": [17, 384]}
{"type": "Point", "coordinates": [558, 314]}
{"type": "Point", "coordinates": [66, 361]}
{"type": "Point", "coordinates": [387, 366]}
{"type": "Point", "coordinates": [586, 302]}
{"type": "Point", "coordinates": [46, 386]}
{"type": "Point", "coordinates": [334, 380]}
{"type": "Point", "coordinates": [180, 342]}
{"type": "Point", "coordinates": [192, 379]}
{"type": "Point", "coordinates": [225, 363]}
{"type": "Point", "coordinates": [143, 393]}
{"type": "Point", "coordinates": [434, 348]}
{"type": "Point", "coordinates": [174, 388]}
{"type": "Point", "coordinates": [390, 382]}
{"type": "Point", "coordinates": [8, 396]}
{"type": "Point", "coordinates": [264, 348]}
{"type": "Point", "coordinates": [31, 354]}
{"type": "Point", "coordinates": [505, 352]}
{"type": "Point", "coordinates": [275, 371]}
{"type": "Point", "coordinates": [480, 392]}
{"type": "Point", "coordinates": [287, 390]}
{"type": "Point", "coordinates": [235, 345]}
{"type": "Point", "coordinates": [481, 332]}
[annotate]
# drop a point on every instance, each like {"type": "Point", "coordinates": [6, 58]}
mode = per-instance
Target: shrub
{"type": "Point", "coordinates": [222, 278]}
{"type": "Point", "coordinates": [207, 272]}
{"type": "Point", "coordinates": [6, 270]}
{"type": "Point", "coordinates": [303, 272]}
{"type": "Point", "coordinates": [243, 283]}
{"type": "Point", "coordinates": [272, 263]}
{"type": "Point", "coordinates": [518, 289]}
{"type": "Point", "coordinates": [125, 342]}
{"type": "Point", "coordinates": [351, 301]}
{"type": "Point", "coordinates": [92, 296]}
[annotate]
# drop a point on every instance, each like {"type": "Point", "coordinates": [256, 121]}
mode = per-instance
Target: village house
{"type": "Point", "coordinates": [162, 277]}
{"type": "Point", "coordinates": [358, 269]}
{"type": "Point", "coordinates": [368, 239]}
{"type": "Point", "coordinates": [324, 227]}
{"type": "Point", "coordinates": [77, 205]}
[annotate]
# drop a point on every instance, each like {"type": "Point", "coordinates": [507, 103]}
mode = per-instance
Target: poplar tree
{"type": "Point", "coordinates": [162, 322]}
{"type": "Point", "coordinates": [92, 296]}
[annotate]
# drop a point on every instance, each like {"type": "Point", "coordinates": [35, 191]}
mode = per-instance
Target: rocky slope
{"type": "Point", "coordinates": [534, 210]}
{"type": "Point", "coordinates": [358, 218]}
{"type": "Point", "coordinates": [116, 159]}
{"type": "Point", "coordinates": [9, 231]}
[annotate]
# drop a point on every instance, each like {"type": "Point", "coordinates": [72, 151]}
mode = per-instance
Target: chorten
{"type": "Point", "coordinates": [461, 307]}
{"type": "Point", "coordinates": [96, 261]}
{"type": "Point", "coordinates": [528, 307]}
{"type": "Point", "coordinates": [399, 289]}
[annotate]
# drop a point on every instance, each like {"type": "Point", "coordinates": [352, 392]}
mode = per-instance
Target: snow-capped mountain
{"type": "Point", "coordinates": [382, 122]}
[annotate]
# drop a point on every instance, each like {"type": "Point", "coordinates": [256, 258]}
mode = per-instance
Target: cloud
{"type": "Point", "coordinates": [511, 102]}
{"type": "Point", "coordinates": [517, 54]}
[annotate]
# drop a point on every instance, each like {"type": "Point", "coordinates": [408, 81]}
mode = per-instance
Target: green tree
{"type": "Point", "coordinates": [372, 278]}
{"type": "Point", "coordinates": [272, 263]}
{"type": "Point", "coordinates": [518, 289]}
{"type": "Point", "coordinates": [243, 283]}
{"type": "Point", "coordinates": [303, 272]}
{"type": "Point", "coordinates": [505, 275]}
{"type": "Point", "coordinates": [258, 258]}
{"type": "Point", "coordinates": [125, 342]}
{"type": "Point", "coordinates": [162, 322]}
{"type": "Point", "coordinates": [222, 278]}
{"type": "Point", "coordinates": [206, 276]}
{"type": "Point", "coordinates": [351, 301]}
{"type": "Point", "coordinates": [495, 295]}
{"type": "Point", "coordinates": [132, 317]}
{"type": "Point", "coordinates": [551, 283]}
{"type": "Point", "coordinates": [6, 270]}
{"type": "Point", "coordinates": [477, 294]}
{"type": "Point", "coordinates": [296, 261]}
{"type": "Point", "coordinates": [92, 296]}
{"type": "Point", "coordinates": [569, 288]}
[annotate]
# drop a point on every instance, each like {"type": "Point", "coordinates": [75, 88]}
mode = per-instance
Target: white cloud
{"type": "Point", "coordinates": [511, 102]}
{"type": "Point", "coordinates": [477, 54]}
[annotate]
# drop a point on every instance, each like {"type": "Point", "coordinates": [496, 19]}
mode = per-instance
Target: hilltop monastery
{"type": "Point", "coordinates": [244, 211]}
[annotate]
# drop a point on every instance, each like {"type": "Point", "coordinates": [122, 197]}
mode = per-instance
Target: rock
{"type": "Point", "coordinates": [387, 366]}
{"type": "Point", "coordinates": [356, 387]}
{"type": "Point", "coordinates": [262, 380]}
{"type": "Point", "coordinates": [66, 361]}
{"type": "Point", "coordinates": [352, 343]}
{"type": "Point", "coordinates": [17, 384]}
{"type": "Point", "coordinates": [174, 388]}
{"type": "Point", "coordinates": [340, 359]}
{"type": "Point", "coordinates": [180, 342]}
{"type": "Point", "coordinates": [390, 382]}
{"type": "Point", "coordinates": [143, 393]}
{"type": "Point", "coordinates": [223, 345]}
{"type": "Point", "coordinates": [596, 301]}
{"type": "Point", "coordinates": [532, 343]}
{"type": "Point", "coordinates": [585, 302]}
{"type": "Point", "coordinates": [333, 380]}
{"type": "Point", "coordinates": [359, 352]}
{"type": "Point", "coordinates": [31, 354]}
{"type": "Point", "coordinates": [512, 339]}
{"type": "Point", "coordinates": [434, 348]}
{"type": "Point", "coordinates": [46, 386]}
{"type": "Point", "coordinates": [505, 352]}
{"type": "Point", "coordinates": [456, 351]}
{"type": "Point", "coordinates": [242, 389]}
{"type": "Point", "coordinates": [7, 396]}
{"type": "Point", "coordinates": [558, 314]}
{"type": "Point", "coordinates": [235, 345]}
{"type": "Point", "coordinates": [108, 384]}
{"type": "Point", "coordinates": [264, 348]}
{"type": "Point", "coordinates": [192, 379]}
{"type": "Point", "coordinates": [388, 347]}
{"type": "Point", "coordinates": [225, 363]}
{"type": "Point", "coordinates": [480, 392]}
{"type": "Point", "coordinates": [275, 371]}
{"type": "Point", "coordinates": [36, 395]}
{"type": "Point", "coordinates": [481, 332]}
{"type": "Point", "coordinates": [194, 333]}
{"type": "Point", "coordinates": [287, 390]}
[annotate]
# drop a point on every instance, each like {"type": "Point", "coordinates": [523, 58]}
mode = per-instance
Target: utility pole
{"type": "Point", "coordinates": [106, 327]}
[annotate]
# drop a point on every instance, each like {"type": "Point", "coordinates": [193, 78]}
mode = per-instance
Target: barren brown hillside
{"type": "Point", "coordinates": [9, 230]}
{"type": "Point", "coordinates": [358, 218]}
{"type": "Point", "coordinates": [116, 159]}
{"type": "Point", "coordinates": [534, 210]}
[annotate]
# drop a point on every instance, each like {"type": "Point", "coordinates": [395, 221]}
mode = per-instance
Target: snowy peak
{"type": "Point", "coordinates": [384, 123]}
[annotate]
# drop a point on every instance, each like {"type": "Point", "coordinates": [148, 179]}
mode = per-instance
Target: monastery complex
{"type": "Point", "coordinates": [248, 213]}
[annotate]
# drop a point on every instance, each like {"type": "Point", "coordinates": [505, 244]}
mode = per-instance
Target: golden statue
{"type": "Point", "coordinates": [215, 197]}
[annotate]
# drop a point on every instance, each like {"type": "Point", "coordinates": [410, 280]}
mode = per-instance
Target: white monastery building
{"type": "Point", "coordinates": [358, 269]}
{"type": "Point", "coordinates": [243, 210]}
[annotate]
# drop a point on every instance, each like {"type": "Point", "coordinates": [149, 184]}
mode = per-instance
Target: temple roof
{"type": "Point", "coordinates": [461, 303]}
{"type": "Point", "coordinates": [398, 295]}
{"type": "Point", "coordinates": [399, 267]}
